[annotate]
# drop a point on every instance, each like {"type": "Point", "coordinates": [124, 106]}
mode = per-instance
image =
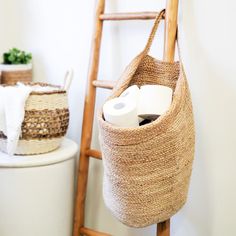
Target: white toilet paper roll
{"type": "Point", "coordinates": [121, 112]}
{"type": "Point", "coordinates": [154, 100]}
{"type": "Point", "coordinates": [131, 92]}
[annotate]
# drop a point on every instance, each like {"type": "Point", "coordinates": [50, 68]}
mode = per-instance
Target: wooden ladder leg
{"type": "Point", "coordinates": [163, 228]}
{"type": "Point", "coordinates": [88, 121]}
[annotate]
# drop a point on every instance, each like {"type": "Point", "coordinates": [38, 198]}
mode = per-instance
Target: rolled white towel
{"type": "Point", "coordinates": [12, 112]}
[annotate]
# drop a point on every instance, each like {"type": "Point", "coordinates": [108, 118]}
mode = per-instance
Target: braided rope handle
{"type": "Point", "coordinates": [159, 17]}
{"type": "Point", "coordinates": [68, 79]}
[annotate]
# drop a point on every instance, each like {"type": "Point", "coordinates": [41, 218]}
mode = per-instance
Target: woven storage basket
{"type": "Point", "coordinates": [45, 123]}
{"type": "Point", "coordinates": [12, 76]}
{"type": "Point", "coordinates": [147, 169]}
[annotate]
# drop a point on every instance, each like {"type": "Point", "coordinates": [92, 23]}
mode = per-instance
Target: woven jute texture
{"type": "Point", "coordinates": [45, 123]}
{"type": "Point", "coordinates": [147, 169]}
{"type": "Point", "coordinates": [12, 77]}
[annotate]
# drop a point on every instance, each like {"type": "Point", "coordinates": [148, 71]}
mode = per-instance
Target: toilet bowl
{"type": "Point", "coordinates": [37, 193]}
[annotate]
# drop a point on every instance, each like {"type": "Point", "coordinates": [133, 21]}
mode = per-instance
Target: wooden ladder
{"type": "Point", "coordinates": [163, 228]}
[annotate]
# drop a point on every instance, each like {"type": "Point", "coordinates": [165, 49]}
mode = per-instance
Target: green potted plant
{"type": "Point", "coordinates": [16, 67]}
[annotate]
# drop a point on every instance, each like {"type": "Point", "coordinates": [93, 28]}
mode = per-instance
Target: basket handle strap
{"type": "Point", "coordinates": [68, 79]}
{"type": "Point", "coordinates": [159, 17]}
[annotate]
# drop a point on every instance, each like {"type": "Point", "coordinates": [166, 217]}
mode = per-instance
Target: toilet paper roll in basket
{"type": "Point", "coordinates": [121, 112]}
{"type": "Point", "coordinates": [154, 100]}
{"type": "Point", "coordinates": [131, 92]}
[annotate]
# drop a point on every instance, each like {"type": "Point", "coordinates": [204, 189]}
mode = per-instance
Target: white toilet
{"type": "Point", "coordinates": [37, 193]}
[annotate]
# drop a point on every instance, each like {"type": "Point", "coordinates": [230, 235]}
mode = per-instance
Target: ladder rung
{"type": "Point", "coordinates": [129, 16]}
{"type": "Point", "coordinates": [107, 84]}
{"type": "Point", "coordinates": [90, 232]}
{"type": "Point", "coordinates": [94, 153]}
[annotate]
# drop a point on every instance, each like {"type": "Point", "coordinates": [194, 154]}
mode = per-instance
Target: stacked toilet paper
{"type": "Point", "coordinates": [134, 105]}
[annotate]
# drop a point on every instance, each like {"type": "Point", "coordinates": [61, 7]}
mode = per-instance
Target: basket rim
{"type": "Point", "coordinates": [59, 90]}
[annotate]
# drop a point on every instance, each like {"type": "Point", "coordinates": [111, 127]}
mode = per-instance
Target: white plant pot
{"type": "Point", "coordinates": [20, 67]}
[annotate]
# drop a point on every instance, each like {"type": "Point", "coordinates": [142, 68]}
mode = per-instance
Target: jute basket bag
{"type": "Point", "coordinates": [45, 123]}
{"type": "Point", "coordinates": [147, 169]}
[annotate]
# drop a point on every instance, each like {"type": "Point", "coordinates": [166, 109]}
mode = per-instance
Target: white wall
{"type": "Point", "coordinates": [58, 33]}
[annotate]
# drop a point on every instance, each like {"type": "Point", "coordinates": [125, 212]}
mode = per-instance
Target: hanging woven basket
{"type": "Point", "coordinates": [147, 169]}
{"type": "Point", "coordinates": [45, 123]}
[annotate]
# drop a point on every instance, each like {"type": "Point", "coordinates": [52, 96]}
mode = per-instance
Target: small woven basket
{"type": "Point", "coordinates": [11, 74]}
{"type": "Point", "coordinates": [12, 77]}
{"type": "Point", "coordinates": [45, 123]}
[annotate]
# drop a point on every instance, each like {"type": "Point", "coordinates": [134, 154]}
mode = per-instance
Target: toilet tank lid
{"type": "Point", "coordinates": [67, 150]}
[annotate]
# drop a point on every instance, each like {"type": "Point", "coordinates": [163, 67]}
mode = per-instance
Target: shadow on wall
{"type": "Point", "coordinates": [211, 81]}
{"type": "Point", "coordinates": [191, 220]}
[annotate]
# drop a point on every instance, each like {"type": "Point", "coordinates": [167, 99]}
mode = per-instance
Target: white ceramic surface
{"type": "Point", "coordinates": [37, 193]}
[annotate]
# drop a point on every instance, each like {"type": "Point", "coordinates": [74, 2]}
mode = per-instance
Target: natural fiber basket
{"type": "Point", "coordinates": [12, 77]}
{"type": "Point", "coordinates": [147, 169]}
{"type": "Point", "coordinates": [45, 123]}
{"type": "Point", "coordinates": [11, 74]}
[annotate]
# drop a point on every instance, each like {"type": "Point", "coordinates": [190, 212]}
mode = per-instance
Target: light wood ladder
{"type": "Point", "coordinates": [163, 228]}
